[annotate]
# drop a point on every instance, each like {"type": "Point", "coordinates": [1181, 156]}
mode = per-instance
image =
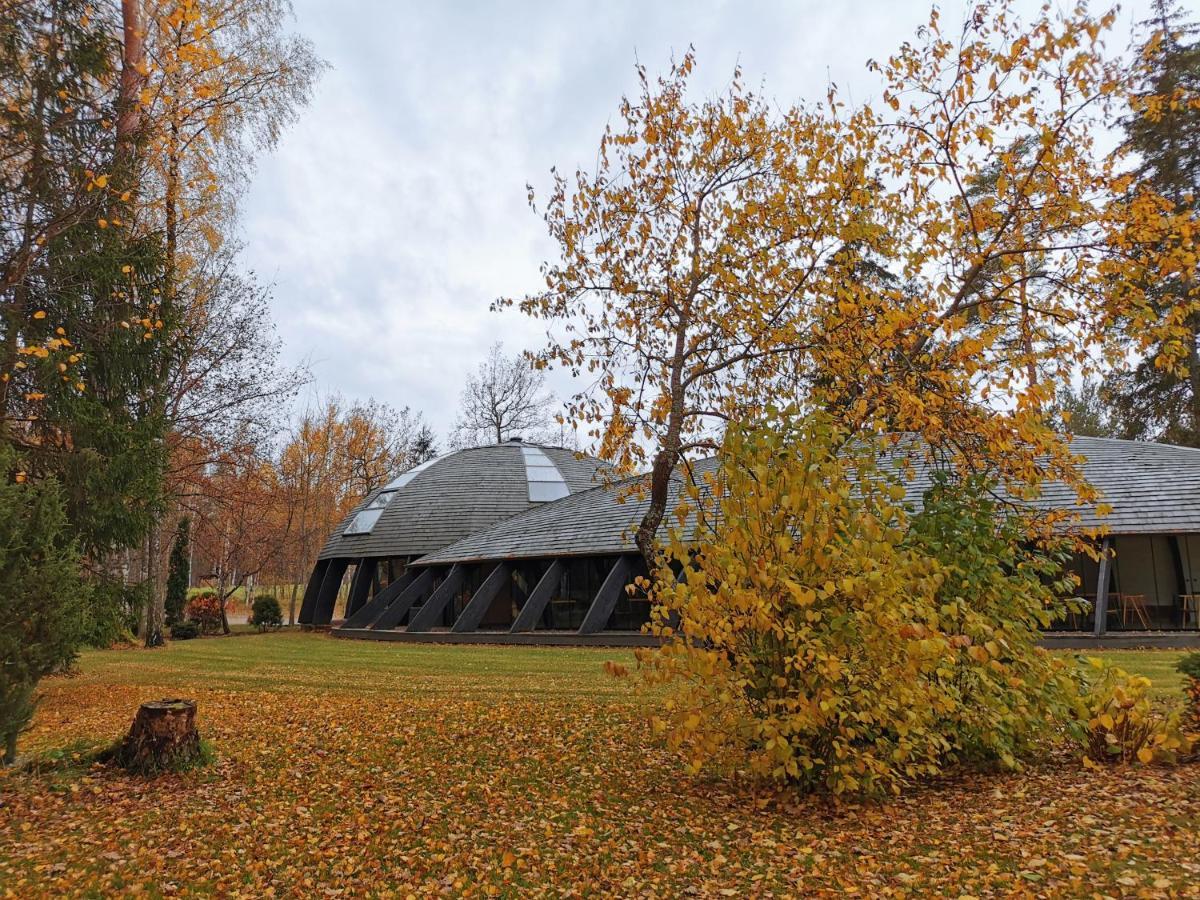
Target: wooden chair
{"type": "Point", "coordinates": [1191, 610]}
{"type": "Point", "coordinates": [1134, 605]}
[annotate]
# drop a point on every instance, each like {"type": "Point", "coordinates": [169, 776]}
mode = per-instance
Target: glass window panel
{"type": "Point", "coordinates": [364, 521]}
{"type": "Point", "coordinates": [543, 491]}
{"type": "Point", "coordinates": [408, 476]}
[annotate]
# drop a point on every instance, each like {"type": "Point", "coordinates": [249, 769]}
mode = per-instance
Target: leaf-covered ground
{"type": "Point", "coordinates": [350, 768]}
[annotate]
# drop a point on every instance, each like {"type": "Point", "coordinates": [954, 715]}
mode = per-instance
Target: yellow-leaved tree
{"type": "Point", "coordinates": [918, 279]}
{"type": "Point", "coordinates": [825, 632]}
{"type": "Point", "coordinates": [936, 266]}
{"type": "Point", "coordinates": [693, 266]}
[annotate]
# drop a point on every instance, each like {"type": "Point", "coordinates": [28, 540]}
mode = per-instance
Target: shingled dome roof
{"type": "Point", "coordinates": [512, 540]}
{"type": "Point", "coordinates": [448, 498]}
{"type": "Point", "coordinates": [1150, 488]}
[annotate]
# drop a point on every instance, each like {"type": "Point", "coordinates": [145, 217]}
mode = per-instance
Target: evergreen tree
{"type": "Point", "coordinates": [1083, 410]}
{"type": "Point", "coordinates": [179, 572]}
{"type": "Point", "coordinates": [1153, 402]}
{"type": "Point", "coordinates": [424, 446]}
{"type": "Point", "coordinates": [83, 335]}
{"type": "Point", "coordinates": [42, 603]}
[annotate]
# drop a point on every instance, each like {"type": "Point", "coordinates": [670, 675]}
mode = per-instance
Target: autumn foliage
{"type": "Point", "coordinates": [204, 609]}
{"type": "Point", "coordinates": [347, 766]}
{"type": "Point", "coordinates": [824, 634]}
{"type": "Point", "coordinates": [937, 263]}
{"type": "Point", "coordinates": [1123, 725]}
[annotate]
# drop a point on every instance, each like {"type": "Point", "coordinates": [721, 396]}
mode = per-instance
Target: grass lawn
{"type": "Point", "coordinates": [350, 767]}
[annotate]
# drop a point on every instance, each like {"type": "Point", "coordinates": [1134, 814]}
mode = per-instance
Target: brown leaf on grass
{"type": "Point", "coordinates": [365, 768]}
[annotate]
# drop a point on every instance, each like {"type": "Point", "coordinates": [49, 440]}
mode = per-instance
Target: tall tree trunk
{"type": "Point", "coordinates": [1031, 371]}
{"type": "Point", "coordinates": [133, 79]}
{"type": "Point", "coordinates": [156, 610]}
{"type": "Point", "coordinates": [1194, 379]}
{"type": "Point", "coordinates": [660, 483]}
{"type": "Point", "coordinates": [10, 746]}
{"type": "Point", "coordinates": [157, 600]}
{"type": "Point", "coordinates": [15, 310]}
{"type": "Point", "coordinates": [667, 456]}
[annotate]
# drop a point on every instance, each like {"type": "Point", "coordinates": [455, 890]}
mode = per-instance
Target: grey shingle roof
{"type": "Point", "coordinates": [596, 522]}
{"type": "Point", "coordinates": [1152, 488]}
{"type": "Point", "coordinates": [456, 495]}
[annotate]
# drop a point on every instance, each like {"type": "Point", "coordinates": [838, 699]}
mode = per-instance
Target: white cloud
{"type": "Point", "coordinates": [394, 211]}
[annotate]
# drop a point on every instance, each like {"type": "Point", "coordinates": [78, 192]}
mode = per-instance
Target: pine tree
{"type": "Point", "coordinates": [1153, 402]}
{"type": "Point", "coordinates": [179, 572]}
{"type": "Point", "coordinates": [1084, 410]}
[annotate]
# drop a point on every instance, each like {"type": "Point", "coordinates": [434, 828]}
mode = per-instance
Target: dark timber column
{"type": "Point", "coordinates": [327, 596]}
{"type": "Point", "coordinates": [606, 598]}
{"type": "Point", "coordinates": [418, 588]}
{"type": "Point", "coordinates": [673, 618]}
{"type": "Point", "coordinates": [309, 605]}
{"type": "Point", "coordinates": [1100, 626]}
{"type": "Point", "coordinates": [426, 617]}
{"type": "Point", "coordinates": [531, 612]}
{"type": "Point", "coordinates": [360, 587]}
{"type": "Point", "coordinates": [377, 604]}
{"type": "Point", "coordinates": [471, 616]}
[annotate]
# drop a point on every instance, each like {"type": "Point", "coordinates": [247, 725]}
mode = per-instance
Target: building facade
{"type": "Point", "coordinates": [520, 542]}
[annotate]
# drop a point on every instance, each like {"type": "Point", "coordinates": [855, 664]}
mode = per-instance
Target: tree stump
{"type": "Point", "coordinates": [163, 738]}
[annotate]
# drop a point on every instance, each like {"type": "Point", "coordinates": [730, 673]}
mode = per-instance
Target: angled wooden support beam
{"type": "Point", "coordinates": [309, 604]}
{"type": "Point", "coordinates": [431, 610]}
{"type": "Point", "coordinates": [417, 589]}
{"type": "Point", "coordinates": [475, 610]}
{"type": "Point", "coordinates": [327, 597]}
{"type": "Point", "coordinates": [360, 587]}
{"type": "Point", "coordinates": [372, 608]}
{"type": "Point", "coordinates": [535, 604]}
{"type": "Point", "coordinates": [673, 616]}
{"type": "Point", "coordinates": [606, 598]}
{"type": "Point", "coordinates": [1100, 626]}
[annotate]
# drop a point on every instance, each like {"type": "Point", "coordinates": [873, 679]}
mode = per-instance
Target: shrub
{"type": "Point", "coordinates": [822, 639]}
{"type": "Point", "coordinates": [184, 631]}
{"type": "Point", "coordinates": [1190, 667]}
{"type": "Point", "coordinates": [997, 593]}
{"type": "Point", "coordinates": [266, 613]}
{"type": "Point", "coordinates": [205, 610]}
{"type": "Point", "coordinates": [1122, 724]}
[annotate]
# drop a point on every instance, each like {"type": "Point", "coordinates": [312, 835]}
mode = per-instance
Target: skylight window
{"type": "Point", "coordinates": [545, 481]}
{"type": "Point", "coordinates": [412, 473]}
{"type": "Point", "coordinates": [369, 515]}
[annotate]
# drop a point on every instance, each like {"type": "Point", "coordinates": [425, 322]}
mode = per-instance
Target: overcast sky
{"type": "Point", "coordinates": [394, 211]}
